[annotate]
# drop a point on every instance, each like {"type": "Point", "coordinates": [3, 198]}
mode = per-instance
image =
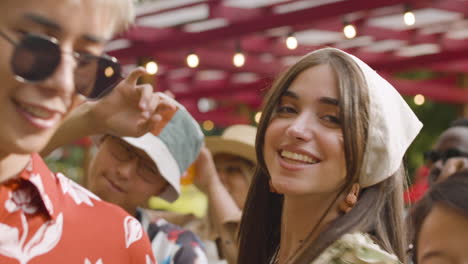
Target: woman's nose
{"type": "Point", "coordinates": [301, 128]}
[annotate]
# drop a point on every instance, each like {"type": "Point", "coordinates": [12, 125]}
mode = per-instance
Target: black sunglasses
{"type": "Point", "coordinates": [36, 57]}
{"type": "Point", "coordinates": [435, 155]}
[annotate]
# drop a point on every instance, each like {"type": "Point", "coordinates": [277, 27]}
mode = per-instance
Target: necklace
{"type": "Point", "coordinates": [307, 238]}
{"type": "Point", "coordinates": [298, 248]}
{"type": "Point", "coordinates": [276, 258]}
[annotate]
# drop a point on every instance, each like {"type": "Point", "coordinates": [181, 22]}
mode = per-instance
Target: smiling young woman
{"type": "Point", "coordinates": [329, 179]}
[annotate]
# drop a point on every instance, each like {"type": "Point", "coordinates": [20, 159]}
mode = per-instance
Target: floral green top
{"type": "Point", "coordinates": [356, 248]}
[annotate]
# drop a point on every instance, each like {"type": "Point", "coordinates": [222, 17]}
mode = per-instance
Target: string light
{"type": "Point", "coordinates": [409, 16]}
{"type": "Point", "coordinates": [192, 60]}
{"type": "Point", "coordinates": [291, 41]}
{"type": "Point", "coordinates": [257, 117]}
{"type": "Point", "coordinates": [151, 67]}
{"type": "Point", "coordinates": [208, 125]}
{"type": "Point", "coordinates": [239, 58]}
{"type": "Point", "coordinates": [349, 30]}
{"type": "Point", "coordinates": [419, 99]}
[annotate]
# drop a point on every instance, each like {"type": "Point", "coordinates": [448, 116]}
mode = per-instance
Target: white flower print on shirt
{"type": "Point", "coordinates": [133, 230]}
{"type": "Point", "coordinates": [148, 260]}
{"type": "Point", "coordinates": [20, 200]}
{"type": "Point", "coordinates": [87, 261]}
{"type": "Point", "coordinates": [78, 193]}
{"type": "Point", "coordinates": [44, 240]}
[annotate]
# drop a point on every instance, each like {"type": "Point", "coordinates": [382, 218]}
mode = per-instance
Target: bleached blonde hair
{"type": "Point", "coordinates": [124, 11]}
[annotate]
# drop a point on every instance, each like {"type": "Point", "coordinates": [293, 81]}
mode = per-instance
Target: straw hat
{"type": "Point", "coordinates": [238, 140]}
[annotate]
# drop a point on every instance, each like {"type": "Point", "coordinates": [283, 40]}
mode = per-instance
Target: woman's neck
{"type": "Point", "coordinates": [12, 164]}
{"type": "Point", "coordinates": [303, 219]}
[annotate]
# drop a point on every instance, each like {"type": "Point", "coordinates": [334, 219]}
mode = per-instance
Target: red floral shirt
{"type": "Point", "coordinates": [47, 218]}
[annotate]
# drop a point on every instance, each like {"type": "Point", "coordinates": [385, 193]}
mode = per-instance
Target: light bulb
{"type": "Point", "coordinates": [419, 99]}
{"type": "Point", "coordinates": [238, 59]}
{"type": "Point", "coordinates": [193, 60]}
{"type": "Point", "coordinates": [349, 31]}
{"type": "Point", "coordinates": [257, 117]}
{"type": "Point", "coordinates": [151, 67]}
{"type": "Point", "coordinates": [409, 18]}
{"type": "Point", "coordinates": [208, 125]}
{"type": "Point", "coordinates": [291, 42]}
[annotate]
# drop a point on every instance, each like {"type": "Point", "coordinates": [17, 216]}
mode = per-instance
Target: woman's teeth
{"type": "Point", "coordinates": [297, 157]}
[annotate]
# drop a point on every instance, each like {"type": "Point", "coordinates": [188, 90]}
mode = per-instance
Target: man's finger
{"type": "Point", "coordinates": [166, 107]}
{"type": "Point", "coordinates": [153, 103]}
{"type": "Point", "coordinates": [145, 93]}
{"type": "Point", "coordinates": [133, 77]}
{"type": "Point", "coordinates": [453, 165]}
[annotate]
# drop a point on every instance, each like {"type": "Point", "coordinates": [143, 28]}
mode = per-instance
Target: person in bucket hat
{"type": "Point", "coordinates": [128, 171]}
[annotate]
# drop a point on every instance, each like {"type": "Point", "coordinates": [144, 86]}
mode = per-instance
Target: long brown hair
{"type": "Point", "coordinates": [379, 208]}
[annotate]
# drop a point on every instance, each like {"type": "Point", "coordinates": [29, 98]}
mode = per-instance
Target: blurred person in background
{"type": "Point", "coordinates": [223, 172]}
{"type": "Point", "coordinates": [128, 171]}
{"type": "Point", "coordinates": [450, 152]}
{"type": "Point", "coordinates": [451, 148]}
{"type": "Point", "coordinates": [51, 56]}
{"type": "Point", "coordinates": [440, 221]}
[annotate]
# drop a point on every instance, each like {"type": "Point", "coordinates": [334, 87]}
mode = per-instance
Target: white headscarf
{"type": "Point", "coordinates": [392, 127]}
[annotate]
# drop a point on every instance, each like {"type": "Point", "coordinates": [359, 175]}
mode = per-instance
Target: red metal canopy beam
{"type": "Point", "coordinates": [180, 40]}
{"type": "Point", "coordinates": [401, 64]}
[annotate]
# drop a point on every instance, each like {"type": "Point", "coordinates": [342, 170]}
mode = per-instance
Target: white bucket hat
{"type": "Point", "coordinates": [175, 148]}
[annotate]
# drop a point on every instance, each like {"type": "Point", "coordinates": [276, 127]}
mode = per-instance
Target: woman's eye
{"type": "Point", "coordinates": [233, 169]}
{"type": "Point", "coordinates": [286, 109]}
{"type": "Point", "coordinates": [332, 119]}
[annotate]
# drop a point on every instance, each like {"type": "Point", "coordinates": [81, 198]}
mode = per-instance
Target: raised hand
{"type": "Point", "coordinates": [206, 176]}
{"type": "Point", "coordinates": [453, 165]}
{"type": "Point", "coordinates": [130, 109]}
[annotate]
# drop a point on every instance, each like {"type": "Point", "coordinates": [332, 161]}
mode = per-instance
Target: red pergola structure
{"type": "Point", "coordinates": [167, 30]}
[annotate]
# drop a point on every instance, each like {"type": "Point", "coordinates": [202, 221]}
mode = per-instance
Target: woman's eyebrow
{"type": "Point", "coordinates": [290, 94]}
{"type": "Point", "coordinates": [434, 254]}
{"type": "Point", "coordinates": [329, 100]}
{"type": "Point", "coordinates": [323, 100]}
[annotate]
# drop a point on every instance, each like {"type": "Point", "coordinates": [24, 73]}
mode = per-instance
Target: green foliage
{"type": "Point", "coordinates": [67, 160]}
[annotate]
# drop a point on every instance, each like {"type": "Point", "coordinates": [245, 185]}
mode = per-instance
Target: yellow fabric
{"type": "Point", "coordinates": [191, 201]}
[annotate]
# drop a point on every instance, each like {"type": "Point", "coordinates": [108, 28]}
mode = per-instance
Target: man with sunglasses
{"type": "Point", "coordinates": [50, 56]}
{"type": "Point", "coordinates": [450, 153]}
